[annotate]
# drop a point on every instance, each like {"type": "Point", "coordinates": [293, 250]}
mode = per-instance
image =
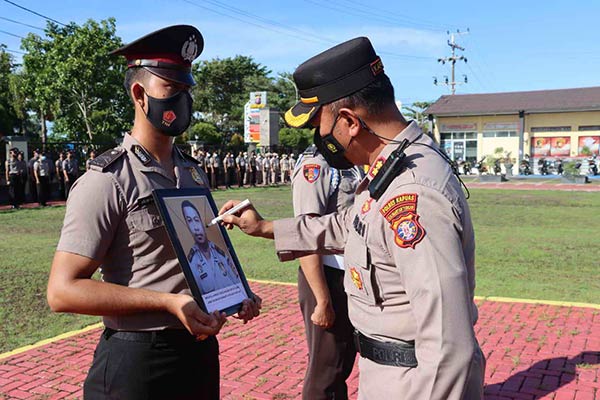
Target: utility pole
{"type": "Point", "coordinates": [452, 61]}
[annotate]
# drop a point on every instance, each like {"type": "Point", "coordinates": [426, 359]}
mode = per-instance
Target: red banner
{"type": "Point", "coordinates": [540, 146]}
{"type": "Point", "coordinates": [560, 146]}
{"type": "Point", "coordinates": [588, 145]}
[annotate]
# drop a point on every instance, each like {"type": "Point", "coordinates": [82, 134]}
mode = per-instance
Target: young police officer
{"type": "Point", "coordinates": [408, 241]}
{"type": "Point", "coordinates": [157, 344]}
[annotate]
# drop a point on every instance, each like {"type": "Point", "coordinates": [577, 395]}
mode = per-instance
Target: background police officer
{"type": "Point", "coordinates": [14, 178]}
{"type": "Point", "coordinates": [149, 349]}
{"type": "Point", "coordinates": [408, 241]}
{"type": "Point", "coordinates": [318, 189]}
{"type": "Point", "coordinates": [60, 177]}
{"type": "Point", "coordinates": [70, 171]}
{"type": "Point", "coordinates": [42, 170]}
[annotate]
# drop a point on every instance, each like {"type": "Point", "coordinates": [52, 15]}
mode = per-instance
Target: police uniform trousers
{"type": "Point", "coordinates": [61, 186]}
{"type": "Point", "coordinates": [331, 351]}
{"type": "Point", "coordinates": [159, 365]}
{"type": "Point", "coordinates": [241, 174]}
{"type": "Point", "coordinates": [43, 189]}
{"type": "Point", "coordinates": [16, 190]}
{"type": "Point", "coordinates": [32, 186]}
{"type": "Point", "coordinates": [72, 179]}
{"type": "Point", "coordinates": [378, 382]}
{"type": "Point", "coordinates": [229, 176]}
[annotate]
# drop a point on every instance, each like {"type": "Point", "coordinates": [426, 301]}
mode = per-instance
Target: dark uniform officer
{"type": "Point", "coordinates": [15, 178]}
{"type": "Point", "coordinates": [42, 170]}
{"type": "Point", "coordinates": [157, 344]}
{"type": "Point", "coordinates": [318, 189]}
{"type": "Point", "coordinates": [31, 183]}
{"type": "Point", "coordinates": [408, 241]}
{"type": "Point", "coordinates": [60, 177]}
{"type": "Point", "coordinates": [70, 168]}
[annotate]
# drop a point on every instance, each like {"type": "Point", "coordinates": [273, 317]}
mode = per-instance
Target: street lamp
{"type": "Point", "coordinates": [293, 84]}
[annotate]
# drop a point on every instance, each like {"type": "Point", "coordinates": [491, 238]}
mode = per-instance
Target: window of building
{"type": "Point", "coordinates": [460, 145]}
{"type": "Point", "coordinates": [551, 129]}
{"type": "Point", "coordinates": [491, 134]}
{"type": "Point", "coordinates": [589, 127]}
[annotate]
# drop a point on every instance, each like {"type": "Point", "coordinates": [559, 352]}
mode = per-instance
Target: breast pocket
{"type": "Point", "coordinates": [144, 220]}
{"type": "Point", "coordinates": [357, 278]}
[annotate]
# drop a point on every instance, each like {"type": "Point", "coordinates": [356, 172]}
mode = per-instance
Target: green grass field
{"type": "Point", "coordinates": [530, 244]}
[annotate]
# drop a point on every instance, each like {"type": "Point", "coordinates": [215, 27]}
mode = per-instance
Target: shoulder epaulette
{"type": "Point", "coordinates": [218, 249]}
{"type": "Point", "coordinates": [191, 253]}
{"type": "Point", "coordinates": [311, 150]}
{"type": "Point", "coordinates": [187, 156]}
{"type": "Point", "coordinates": [105, 159]}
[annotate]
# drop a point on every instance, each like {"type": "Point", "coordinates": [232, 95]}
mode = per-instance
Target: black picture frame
{"type": "Point", "coordinates": [228, 298]}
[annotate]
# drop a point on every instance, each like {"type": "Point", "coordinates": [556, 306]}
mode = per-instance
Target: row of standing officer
{"type": "Point", "coordinates": [38, 173]}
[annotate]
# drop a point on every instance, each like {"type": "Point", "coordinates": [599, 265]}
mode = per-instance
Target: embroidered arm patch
{"type": "Point", "coordinates": [401, 213]}
{"type": "Point", "coordinates": [311, 172]}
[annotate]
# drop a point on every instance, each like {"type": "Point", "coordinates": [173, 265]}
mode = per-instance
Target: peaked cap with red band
{"type": "Point", "coordinates": [167, 53]}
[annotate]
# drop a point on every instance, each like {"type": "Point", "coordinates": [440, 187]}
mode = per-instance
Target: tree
{"type": "Point", "coordinates": [8, 115]}
{"type": "Point", "coordinates": [204, 132]}
{"type": "Point", "coordinates": [416, 112]}
{"type": "Point", "coordinates": [69, 75]}
{"type": "Point", "coordinates": [298, 139]}
{"type": "Point", "coordinates": [222, 90]}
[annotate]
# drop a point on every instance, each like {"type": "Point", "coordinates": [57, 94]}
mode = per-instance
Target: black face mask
{"type": "Point", "coordinates": [172, 115]}
{"type": "Point", "coordinates": [332, 150]}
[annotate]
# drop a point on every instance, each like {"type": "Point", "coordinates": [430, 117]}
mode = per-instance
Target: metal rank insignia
{"type": "Point", "coordinates": [196, 176]}
{"type": "Point", "coordinates": [356, 278]}
{"type": "Point", "coordinates": [141, 154]}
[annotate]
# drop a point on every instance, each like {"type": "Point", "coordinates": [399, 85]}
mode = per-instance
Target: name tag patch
{"type": "Point", "coordinates": [359, 226]}
{"type": "Point", "coordinates": [401, 213]}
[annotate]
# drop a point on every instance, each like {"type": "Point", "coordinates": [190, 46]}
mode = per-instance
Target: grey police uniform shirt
{"type": "Point", "coordinates": [112, 218]}
{"type": "Point", "coordinates": [318, 189]}
{"type": "Point", "coordinates": [410, 273]}
{"type": "Point", "coordinates": [12, 166]}
{"type": "Point", "coordinates": [43, 167]}
{"type": "Point", "coordinates": [214, 272]}
{"type": "Point", "coordinates": [70, 166]}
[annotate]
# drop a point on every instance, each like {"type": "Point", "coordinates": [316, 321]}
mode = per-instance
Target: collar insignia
{"type": "Point", "coordinates": [141, 154]}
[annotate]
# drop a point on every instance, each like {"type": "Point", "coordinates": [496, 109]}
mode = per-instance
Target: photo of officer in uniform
{"type": "Point", "coordinates": [212, 267]}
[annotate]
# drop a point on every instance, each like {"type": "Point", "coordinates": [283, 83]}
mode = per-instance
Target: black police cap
{"type": "Point", "coordinates": [332, 75]}
{"type": "Point", "coordinates": [167, 53]}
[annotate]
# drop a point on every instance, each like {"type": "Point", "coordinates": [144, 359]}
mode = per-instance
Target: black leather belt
{"type": "Point", "coordinates": [166, 335]}
{"type": "Point", "coordinates": [396, 354]}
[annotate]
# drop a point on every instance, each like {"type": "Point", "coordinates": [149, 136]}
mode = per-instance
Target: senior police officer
{"type": "Point", "coordinates": [157, 344]}
{"type": "Point", "coordinates": [408, 241]}
{"type": "Point", "coordinates": [318, 189]}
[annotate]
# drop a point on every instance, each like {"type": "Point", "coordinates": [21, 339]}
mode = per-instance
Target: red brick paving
{"type": "Point", "coordinates": [533, 352]}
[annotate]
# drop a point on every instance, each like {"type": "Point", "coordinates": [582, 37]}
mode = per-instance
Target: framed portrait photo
{"type": "Point", "coordinates": [208, 260]}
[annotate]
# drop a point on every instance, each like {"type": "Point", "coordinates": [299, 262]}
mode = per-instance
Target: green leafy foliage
{"type": "Point", "coordinates": [298, 139]}
{"type": "Point", "coordinates": [69, 77]}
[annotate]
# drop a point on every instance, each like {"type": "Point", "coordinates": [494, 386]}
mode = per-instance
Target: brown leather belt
{"type": "Point", "coordinates": [396, 354]}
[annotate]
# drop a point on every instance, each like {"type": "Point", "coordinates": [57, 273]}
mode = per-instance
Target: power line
{"type": "Point", "coordinates": [34, 12]}
{"type": "Point", "coordinates": [21, 23]}
{"type": "Point", "coordinates": [13, 51]}
{"type": "Point", "coordinates": [244, 21]}
{"type": "Point", "coordinates": [278, 27]}
{"type": "Point", "coordinates": [11, 34]}
{"type": "Point", "coordinates": [393, 17]}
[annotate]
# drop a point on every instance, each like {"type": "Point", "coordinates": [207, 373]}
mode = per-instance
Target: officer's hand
{"type": "Point", "coordinates": [250, 308]}
{"type": "Point", "coordinates": [323, 316]}
{"type": "Point", "coordinates": [196, 321]}
{"type": "Point", "coordinates": [249, 220]}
